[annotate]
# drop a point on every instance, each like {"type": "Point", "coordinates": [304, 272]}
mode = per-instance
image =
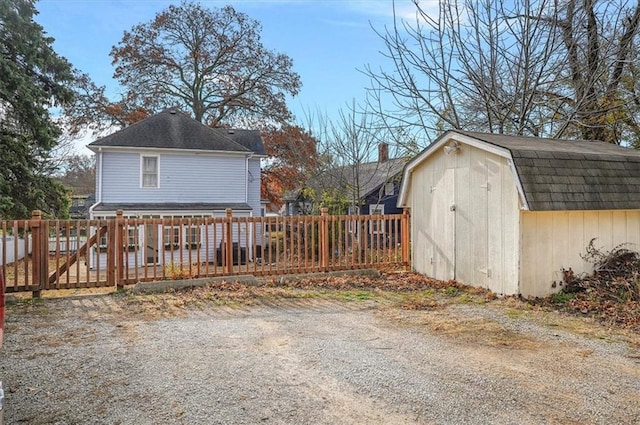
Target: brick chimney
{"type": "Point", "coordinates": [383, 152]}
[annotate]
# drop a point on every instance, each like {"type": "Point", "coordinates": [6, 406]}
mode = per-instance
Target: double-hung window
{"type": "Point", "coordinates": [149, 171]}
{"type": "Point", "coordinates": [377, 225]}
{"type": "Point", "coordinates": [193, 237]}
{"type": "Point", "coordinates": [171, 236]}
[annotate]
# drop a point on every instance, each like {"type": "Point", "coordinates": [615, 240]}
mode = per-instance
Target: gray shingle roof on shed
{"type": "Point", "coordinates": [572, 174]}
{"type": "Point", "coordinates": [172, 129]}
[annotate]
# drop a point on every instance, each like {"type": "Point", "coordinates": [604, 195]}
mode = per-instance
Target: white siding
{"type": "Point", "coordinates": [465, 219]}
{"type": "Point", "coordinates": [552, 241]}
{"type": "Point", "coordinates": [182, 178]}
{"type": "Point", "coordinates": [253, 193]}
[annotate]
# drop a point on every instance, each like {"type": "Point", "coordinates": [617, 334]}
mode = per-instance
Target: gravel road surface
{"type": "Point", "coordinates": [102, 360]}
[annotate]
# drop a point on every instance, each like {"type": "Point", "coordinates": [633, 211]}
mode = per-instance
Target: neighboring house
{"type": "Point", "coordinates": [509, 213]}
{"type": "Point", "coordinates": [373, 187]}
{"type": "Point", "coordinates": [170, 165]}
{"type": "Point", "coordinates": [80, 205]}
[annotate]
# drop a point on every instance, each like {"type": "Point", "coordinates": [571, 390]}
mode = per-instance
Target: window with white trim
{"type": "Point", "coordinates": [171, 237]}
{"type": "Point", "coordinates": [389, 189]}
{"type": "Point", "coordinates": [149, 171]}
{"type": "Point", "coordinates": [131, 237]}
{"type": "Point", "coordinates": [352, 223]}
{"type": "Point", "coordinates": [376, 226]}
{"type": "Point", "coordinates": [193, 237]}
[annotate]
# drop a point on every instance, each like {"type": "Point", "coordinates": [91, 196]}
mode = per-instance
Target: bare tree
{"type": "Point", "coordinates": [601, 63]}
{"type": "Point", "coordinates": [541, 68]}
{"type": "Point", "coordinates": [78, 174]}
{"type": "Point", "coordinates": [209, 61]}
{"type": "Point", "coordinates": [355, 156]}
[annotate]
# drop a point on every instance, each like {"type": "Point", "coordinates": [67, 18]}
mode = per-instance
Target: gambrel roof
{"type": "Point", "coordinates": [172, 129]}
{"type": "Point", "coordinates": [555, 174]}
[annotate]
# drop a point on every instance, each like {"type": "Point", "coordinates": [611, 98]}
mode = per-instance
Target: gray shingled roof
{"type": "Point", "coordinates": [371, 175]}
{"type": "Point", "coordinates": [572, 174]}
{"type": "Point", "coordinates": [172, 129]}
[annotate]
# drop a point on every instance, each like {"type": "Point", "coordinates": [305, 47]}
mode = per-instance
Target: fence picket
{"type": "Point", "coordinates": [124, 250]}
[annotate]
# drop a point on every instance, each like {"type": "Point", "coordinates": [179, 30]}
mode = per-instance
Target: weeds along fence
{"type": "Point", "coordinates": [40, 254]}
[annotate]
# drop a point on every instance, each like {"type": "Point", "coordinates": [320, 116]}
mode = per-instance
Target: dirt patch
{"type": "Point", "coordinates": [399, 349]}
{"type": "Point", "coordinates": [393, 289]}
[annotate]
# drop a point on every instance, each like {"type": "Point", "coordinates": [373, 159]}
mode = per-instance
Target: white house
{"type": "Point", "coordinates": [171, 166]}
{"type": "Point", "coordinates": [509, 213]}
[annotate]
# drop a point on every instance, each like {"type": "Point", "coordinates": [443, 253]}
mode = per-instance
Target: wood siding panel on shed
{"type": "Point", "coordinates": [464, 216]}
{"type": "Point", "coordinates": [504, 226]}
{"type": "Point", "coordinates": [552, 241]}
{"type": "Point", "coordinates": [421, 223]}
{"type": "Point", "coordinates": [477, 265]}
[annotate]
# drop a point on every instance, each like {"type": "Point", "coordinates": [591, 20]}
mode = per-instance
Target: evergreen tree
{"type": "Point", "coordinates": [33, 78]}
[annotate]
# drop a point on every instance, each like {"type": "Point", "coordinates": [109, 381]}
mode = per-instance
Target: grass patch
{"type": "Point", "coordinates": [561, 297]}
{"type": "Point", "coordinates": [514, 314]}
{"type": "Point", "coordinates": [479, 330]}
{"type": "Point", "coordinates": [422, 300]}
{"type": "Point", "coordinates": [354, 295]}
{"type": "Point", "coordinates": [451, 291]}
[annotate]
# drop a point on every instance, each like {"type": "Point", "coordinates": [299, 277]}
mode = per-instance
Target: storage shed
{"type": "Point", "coordinates": [508, 213]}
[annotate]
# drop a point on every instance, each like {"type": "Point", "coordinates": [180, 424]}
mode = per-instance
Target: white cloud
{"type": "Point", "coordinates": [404, 9]}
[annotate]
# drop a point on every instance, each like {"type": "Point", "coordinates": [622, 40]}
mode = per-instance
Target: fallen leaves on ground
{"type": "Point", "coordinates": [407, 290]}
{"type": "Point", "coordinates": [611, 294]}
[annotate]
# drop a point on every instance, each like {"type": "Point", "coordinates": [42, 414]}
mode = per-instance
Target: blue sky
{"type": "Point", "coordinates": [328, 40]}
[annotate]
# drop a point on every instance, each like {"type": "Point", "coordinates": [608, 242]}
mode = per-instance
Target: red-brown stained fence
{"type": "Point", "coordinates": [42, 254]}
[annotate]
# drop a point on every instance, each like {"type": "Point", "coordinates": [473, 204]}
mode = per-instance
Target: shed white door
{"type": "Point", "coordinates": [465, 219]}
{"type": "Point", "coordinates": [442, 216]}
{"type": "Point", "coordinates": [471, 229]}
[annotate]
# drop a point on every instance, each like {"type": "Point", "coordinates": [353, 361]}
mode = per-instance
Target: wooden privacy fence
{"type": "Point", "coordinates": [40, 254]}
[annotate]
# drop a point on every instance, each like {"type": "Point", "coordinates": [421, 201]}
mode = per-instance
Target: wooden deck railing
{"type": "Point", "coordinates": [40, 254]}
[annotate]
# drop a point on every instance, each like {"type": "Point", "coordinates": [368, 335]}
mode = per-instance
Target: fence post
{"type": "Point", "coordinates": [324, 239]}
{"type": "Point", "coordinates": [119, 249]}
{"type": "Point", "coordinates": [38, 271]}
{"type": "Point", "coordinates": [111, 251]}
{"type": "Point", "coordinates": [405, 238]}
{"type": "Point", "coordinates": [228, 247]}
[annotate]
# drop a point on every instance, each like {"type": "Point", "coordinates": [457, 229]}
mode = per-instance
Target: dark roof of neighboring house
{"type": "Point", "coordinates": [561, 175]}
{"type": "Point", "coordinates": [370, 176]}
{"type": "Point", "coordinates": [170, 206]}
{"type": "Point", "coordinates": [172, 129]}
{"type": "Point", "coordinates": [80, 204]}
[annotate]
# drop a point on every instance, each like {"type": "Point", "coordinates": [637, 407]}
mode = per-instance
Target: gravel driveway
{"type": "Point", "coordinates": [102, 360]}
